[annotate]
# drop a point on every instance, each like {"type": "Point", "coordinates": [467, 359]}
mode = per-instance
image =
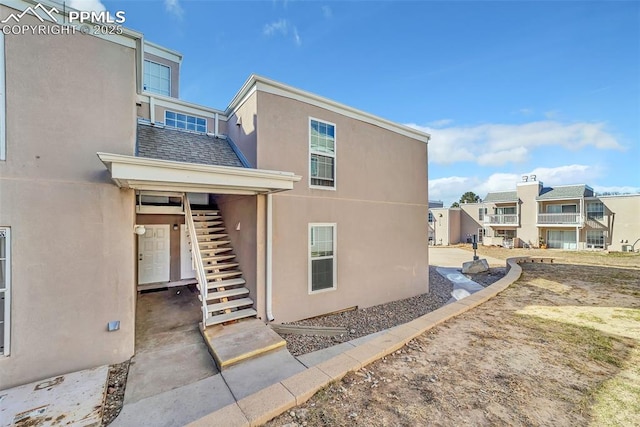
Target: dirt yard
{"type": "Point", "coordinates": [559, 347]}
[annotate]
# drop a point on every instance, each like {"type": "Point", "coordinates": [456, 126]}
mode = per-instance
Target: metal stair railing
{"type": "Point", "coordinates": [197, 257]}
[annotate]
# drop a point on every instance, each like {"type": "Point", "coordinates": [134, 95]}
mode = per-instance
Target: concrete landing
{"type": "Point", "coordinates": [241, 341]}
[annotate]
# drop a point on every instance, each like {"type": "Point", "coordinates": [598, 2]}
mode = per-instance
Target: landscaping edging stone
{"type": "Point", "coordinates": [266, 404]}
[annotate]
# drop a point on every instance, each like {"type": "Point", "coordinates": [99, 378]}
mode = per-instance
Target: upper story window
{"type": "Point", "coordinates": [322, 148]}
{"type": "Point", "coordinates": [184, 121]}
{"type": "Point", "coordinates": [157, 78]}
{"type": "Point", "coordinates": [595, 210]}
{"type": "Point", "coordinates": [562, 208]}
{"type": "Point", "coordinates": [430, 218]}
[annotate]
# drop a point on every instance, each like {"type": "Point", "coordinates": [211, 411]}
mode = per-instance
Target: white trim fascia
{"type": "Point", "coordinates": [166, 175]}
{"type": "Point", "coordinates": [263, 84]}
{"type": "Point", "coordinates": [162, 52]}
{"type": "Point", "coordinates": [128, 37]}
{"type": "Point", "coordinates": [183, 106]}
{"type": "Point", "coordinates": [334, 257]}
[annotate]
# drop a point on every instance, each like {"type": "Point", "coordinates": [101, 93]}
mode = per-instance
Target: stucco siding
{"type": "Point", "coordinates": [242, 129]}
{"type": "Point", "coordinates": [73, 250]}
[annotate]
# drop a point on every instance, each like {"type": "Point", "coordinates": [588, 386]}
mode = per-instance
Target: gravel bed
{"type": "Point", "coordinates": [369, 320]}
{"type": "Point", "coordinates": [116, 383]}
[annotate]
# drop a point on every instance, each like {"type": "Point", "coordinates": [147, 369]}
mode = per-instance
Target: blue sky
{"type": "Point", "coordinates": [504, 88]}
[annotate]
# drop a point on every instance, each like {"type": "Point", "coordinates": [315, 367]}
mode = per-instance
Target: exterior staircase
{"type": "Point", "coordinates": [222, 292]}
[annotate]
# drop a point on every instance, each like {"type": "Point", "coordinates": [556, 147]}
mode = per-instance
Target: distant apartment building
{"type": "Point", "coordinates": [570, 217]}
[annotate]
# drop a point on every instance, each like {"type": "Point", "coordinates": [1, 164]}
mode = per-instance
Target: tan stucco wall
{"type": "Point", "coordinates": [245, 134]}
{"type": "Point", "coordinates": [243, 210]}
{"type": "Point", "coordinates": [73, 249]}
{"type": "Point", "coordinates": [175, 72]}
{"type": "Point", "coordinates": [624, 213]}
{"type": "Point", "coordinates": [380, 208]}
{"type": "Point", "coordinates": [174, 238]}
{"type": "Point", "coordinates": [527, 193]}
{"type": "Point", "coordinates": [469, 220]}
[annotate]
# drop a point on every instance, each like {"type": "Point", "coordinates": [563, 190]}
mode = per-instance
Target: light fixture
{"type": "Point", "coordinates": [139, 229]}
{"type": "Point", "coordinates": [238, 226]}
{"type": "Point", "coordinates": [175, 227]}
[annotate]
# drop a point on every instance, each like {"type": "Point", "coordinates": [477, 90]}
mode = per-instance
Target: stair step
{"type": "Point", "coordinates": [227, 294]}
{"type": "Point", "coordinates": [214, 251]}
{"type": "Point", "coordinates": [206, 237]}
{"type": "Point", "coordinates": [225, 284]}
{"type": "Point", "coordinates": [221, 266]}
{"type": "Point", "coordinates": [216, 258]}
{"type": "Point", "coordinates": [211, 230]}
{"type": "Point", "coordinates": [214, 243]}
{"type": "Point", "coordinates": [200, 225]}
{"type": "Point", "coordinates": [204, 212]}
{"type": "Point", "coordinates": [235, 303]}
{"type": "Point", "coordinates": [201, 219]}
{"type": "Point", "coordinates": [223, 274]}
{"type": "Point", "coordinates": [227, 317]}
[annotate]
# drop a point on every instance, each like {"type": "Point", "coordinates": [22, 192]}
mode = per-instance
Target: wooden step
{"type": "Point", "coordinates": [216, 258]}
{"type": "Point", "coordinates": [223, 274]}
{"type": "Point", "coordinates": [205, 224]}
{"type": "Point", "coordinates": [227, 294]}
{"type": "Point", "coordinates": [234, 303]}
{"type": "Point", "coordinates": [204, 212]}
{"type": "Point", "coordinates": [227, 317]}
{"type": "Point", "coordinates": [225, 283]}
{"type": "Point", "coordinates": [221, 266]}
{"type": "Point", "coordinates": [208, 237]}
{"type": "Point", "coordinates": [213, 251]}
{"type": "Point", "coordinates": [211, 230]}
{"type": "Point", "coordinates": [214, 243]}
{"type": "Point", "coordinates": [201, 219]}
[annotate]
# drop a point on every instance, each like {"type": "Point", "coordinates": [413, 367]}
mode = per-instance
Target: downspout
{"type": "Point", "coordinates": [152, 110]}
{"type": "Point", "coordinates": [215, 125]}
{"type": "Point", "coordinates": [269, 270]}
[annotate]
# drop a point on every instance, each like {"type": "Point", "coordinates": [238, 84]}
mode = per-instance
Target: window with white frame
{"type": "Point", "coordinates": [157, 78]}
{"type": "Point", "coordinates": [322, 147]}
{"type": "Point", "coordinates": [430, 218]}
{"type": "Point", "coordinates": [185, 121]}
{"type": "Point", "coordinates": [595, 210]}
{"type": "Point", "coordinates": [3, 122]}
{"type": "Point", "coordinates": [595, 239]}
{"type": "Point", "coordinates": [322, 253]}
{"type": "Point", "coordinates": [5, 284]}
{"type": "Point", "coordinates": [481, 212]}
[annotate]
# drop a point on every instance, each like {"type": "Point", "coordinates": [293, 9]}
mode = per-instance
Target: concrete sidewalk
{"type": "Point", "coordinates": [258, 390]}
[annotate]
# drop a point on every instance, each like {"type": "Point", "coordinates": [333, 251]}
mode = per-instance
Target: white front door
{"type": "Point", "coordinates": [153, 254]}
{"type": "Point", "coordinates": [186, 263]}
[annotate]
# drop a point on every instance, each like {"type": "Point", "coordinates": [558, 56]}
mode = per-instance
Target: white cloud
{"type": "Point", "coordinates": [281, 26]}
{"type": "Point", "coordinates": [449, 189]}
{"type": "Point", "coordinates": [616, 189]}
{"type": "Point", "coordinates": [296, 37]}
{"type": "Point", "coordinates": [440, 123]}
{"type": "Point", "coordinates": [497, 144]}
{"type": "Point", "coordinates": [327, 12]}
{"type": "Point", "coordinates": [88, 5]}
{"type": "Point", "coordinates": [174, 8]}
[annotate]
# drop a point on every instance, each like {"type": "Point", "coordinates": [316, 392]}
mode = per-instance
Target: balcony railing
{"type": "Point", "coordinates": [504, 219]}
{"type": "Point", "coordinates": [560, 218]}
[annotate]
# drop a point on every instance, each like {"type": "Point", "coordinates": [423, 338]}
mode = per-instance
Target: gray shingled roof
{"type": "Point", "coordinates": [170, 144]}
{"type": "Point", "coordinates": [501, 196]}
{"type": "Point", "coordinates": [564, 192]}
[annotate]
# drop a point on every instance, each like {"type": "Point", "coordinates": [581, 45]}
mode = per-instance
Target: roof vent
{"type": "Point", "coordinates": [525, 178]}
{"type": "Point", "coordinates": [532, 177]}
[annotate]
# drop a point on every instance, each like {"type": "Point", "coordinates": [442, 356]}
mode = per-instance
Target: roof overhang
{"type": "Point", "coordinates": [140, 173]}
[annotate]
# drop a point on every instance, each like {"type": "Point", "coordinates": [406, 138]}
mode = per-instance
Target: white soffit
{"type": "Point", "coordinates": [163, 175]}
